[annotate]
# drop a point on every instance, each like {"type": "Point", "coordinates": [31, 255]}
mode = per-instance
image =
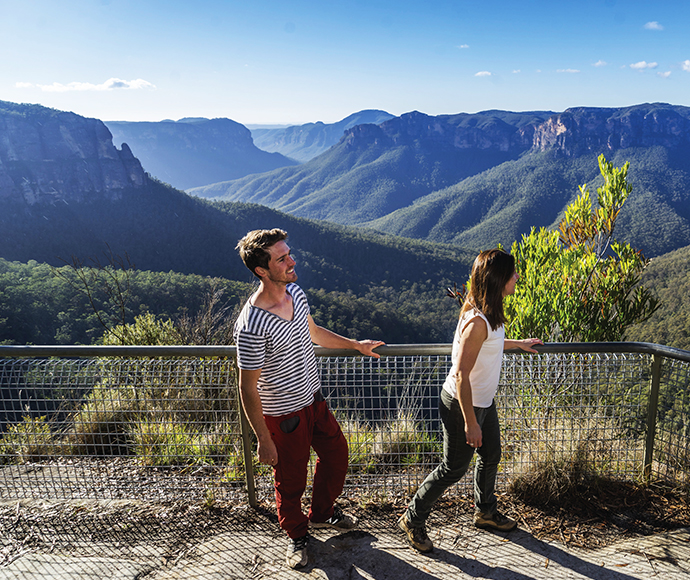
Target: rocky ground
{"type": "Point", "coordinates": [160, 539]}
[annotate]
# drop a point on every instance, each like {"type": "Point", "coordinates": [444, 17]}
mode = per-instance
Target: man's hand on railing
{"type": "Point", "coordinates": [366, 347]}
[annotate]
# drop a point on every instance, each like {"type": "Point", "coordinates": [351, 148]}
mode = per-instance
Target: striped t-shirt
{"type": "Point", "coordinates": [283, 350]}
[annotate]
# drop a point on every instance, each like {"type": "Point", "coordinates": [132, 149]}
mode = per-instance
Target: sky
{"type": "Point", "coordinates": [293, 62]}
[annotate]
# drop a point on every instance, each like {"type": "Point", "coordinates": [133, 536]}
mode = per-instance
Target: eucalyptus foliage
{"type": "Point", "coordinates": [578, 283]}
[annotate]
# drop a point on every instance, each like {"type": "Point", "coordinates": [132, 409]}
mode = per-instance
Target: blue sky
{"type": "Point", "coordinates": [285, 62]}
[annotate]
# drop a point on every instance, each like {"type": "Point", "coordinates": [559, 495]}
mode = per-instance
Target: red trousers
{"type": "Point", "coordinates": [316, 428]}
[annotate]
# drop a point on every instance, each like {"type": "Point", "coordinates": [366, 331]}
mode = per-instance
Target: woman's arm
{"type": "Point", "coordinates": [525, 344]}
{"type": "Point", "coordinates": [471, 339]}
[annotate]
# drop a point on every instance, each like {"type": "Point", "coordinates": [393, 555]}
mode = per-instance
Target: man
{"type": "Point", "coordinates": [280, 391]}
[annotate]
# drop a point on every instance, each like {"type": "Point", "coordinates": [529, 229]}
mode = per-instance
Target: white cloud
{"type": "Point", "coordinates": [653, 26]}
{"type": "Point", "coordinates": [599, 63]}
{"type": "Point", "coordinates": [483, 73]}
{"type": "Point", "coordinates": [568, 70]}
{"type": "Point", "coordinates": [664, 75]}
{"type": "Point", "coordinates": [516, 71]}
{"type": "Point", "coordinates": [643, 65]}
{"type": "Point", "coordinates": [109, 85]}
{"type": "Point", "coordinates": [461, 46]}
{"type": "Point", "coordinates": [686, 65]}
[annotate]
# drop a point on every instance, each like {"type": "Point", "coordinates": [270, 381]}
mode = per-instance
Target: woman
{"type": "Point", "coordinates": [467, 408]}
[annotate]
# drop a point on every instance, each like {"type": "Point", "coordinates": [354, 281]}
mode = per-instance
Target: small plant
{"type": "Point", "coordinates": [376, 498]}
{"type": "Point", "coordinates": [30, 440]}
{"type": "Point", "coordinates": [567, 472]}
{"type": "Point", "coordinates": [98, 426]}
{"type": "Point", "coordinates": [157, 441]}
{"type": "Point", "coordinates": [403, 442]}
{"type": "Point", "coordinates": [360, 440]}
{"type": "Point", "coordinates": [209, 498]}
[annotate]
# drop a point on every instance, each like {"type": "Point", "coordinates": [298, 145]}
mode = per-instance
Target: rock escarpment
{"type": "Point", "coordinates": [194, 152]}
{"type": "Point", "coordinates": [509, 133]}
{"type": "Point", "coordinates": [572, 133]}
{"type": "Point", "coordinates": [49, 156]}
{"type": "Point", "coordinates": [580, 131]}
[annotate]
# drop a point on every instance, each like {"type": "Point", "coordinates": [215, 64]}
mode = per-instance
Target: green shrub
{"type": "Point", "coordinates": [30, 440]}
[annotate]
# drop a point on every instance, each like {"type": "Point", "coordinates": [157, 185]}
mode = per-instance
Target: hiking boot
{"type": "Point", "coordinates": [495, 521]}
{"type": "Point", "coordinates": [416, 537]}
{"type": "Point", "coordinates": [297, 556]}
{"type": "Point", "coordinates": [339, 521]}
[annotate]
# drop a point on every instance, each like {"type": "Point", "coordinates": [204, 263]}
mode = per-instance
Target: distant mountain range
{"type": "Point", "coordinates": [193, 152]}
{"type": "Point", "coordinates": [66, 190]}
{"type": "Point", "coordinates": [477, 180]}
{"type": "Point", "coordinates": [304, 142]}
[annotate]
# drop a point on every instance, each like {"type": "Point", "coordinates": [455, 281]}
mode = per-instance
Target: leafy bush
{"type": "Point", "coordinates": [578, 283]}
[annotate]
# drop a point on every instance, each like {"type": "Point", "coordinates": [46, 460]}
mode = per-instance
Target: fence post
{"type": "Point", "coordinates": [651, 416]}
{"type": "Point", "coordinates": [246, 431]}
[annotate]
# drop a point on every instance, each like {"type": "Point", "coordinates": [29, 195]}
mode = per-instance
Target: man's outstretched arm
{"type": "Point", "coordinates": [329, 339]}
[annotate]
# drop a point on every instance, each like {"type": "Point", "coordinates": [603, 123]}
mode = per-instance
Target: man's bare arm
{"type": "Point", "coordinates": [251, 402]}
{"type": "Point", "coordinates": [329, 339]}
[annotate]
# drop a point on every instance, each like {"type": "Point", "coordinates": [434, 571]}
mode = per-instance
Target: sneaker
{"type": "Point", "coordinates": [495, 521]}
{"type": "Point", "coordinates": [297, 556]}
{"type": "Point", "coordinates": [416, 537]}
{"type": "Point", "coordinates": [339, 520]}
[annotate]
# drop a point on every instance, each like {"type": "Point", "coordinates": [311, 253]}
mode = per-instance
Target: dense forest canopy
{"type": "Point", "coordinates": [39, 307]}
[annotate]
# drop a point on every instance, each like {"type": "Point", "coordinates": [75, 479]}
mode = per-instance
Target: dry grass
{"type": "Point", "coordinates": [591, 512]}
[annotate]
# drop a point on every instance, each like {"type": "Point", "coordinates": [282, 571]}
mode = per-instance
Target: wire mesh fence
{"type": "Point", "coordinates": [165, 423]}
{"type": "Point", "coordinates": [671, 458]}
{"type": "Point", "coordinates": [112, 427]}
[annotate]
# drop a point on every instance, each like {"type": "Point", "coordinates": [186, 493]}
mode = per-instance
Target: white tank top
{"type": "Point", "coordinates": [487, 370]}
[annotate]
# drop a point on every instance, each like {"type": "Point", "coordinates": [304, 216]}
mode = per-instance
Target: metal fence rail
{"type": "Point", "coordinates": [165, 422]}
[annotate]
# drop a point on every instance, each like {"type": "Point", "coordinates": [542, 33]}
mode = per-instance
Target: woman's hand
{"type": "Point", "coordinates": [473, 435]}
{"type": "Point", "coordinates": [525, 344]}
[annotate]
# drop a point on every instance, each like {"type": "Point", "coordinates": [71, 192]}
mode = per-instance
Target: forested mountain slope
{"type": "Point", "coordinates": [39, 307]}
{"type": "Point", "coordinates": [163, 229]}
{"type": "Point", "coordinates": [473, 180]}
{"type": "Point", "coordinates": [65, 191]}
{"type": "Point", "coordinates": [501, 204]}
{"type": "Point", "coordinates": [375, 170]}
{"type": "Point", "coordinates": [668, 276]}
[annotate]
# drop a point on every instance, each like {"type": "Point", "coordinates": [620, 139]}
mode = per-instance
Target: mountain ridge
{"type": "Point", "coordinates": [162, 228]}
{"type": "Point", "coordinates": [195, 151]}
{"type": "Point", "coordinates": [304, 142]}
{"type": "Point", "coordinates": [54, 156]}
{"type": "Point", "coordinates": [384, 167]}
{"type": "Point", "coordinates": [67, 192]}
{"type": "Point", "coordinates": [405, 176]}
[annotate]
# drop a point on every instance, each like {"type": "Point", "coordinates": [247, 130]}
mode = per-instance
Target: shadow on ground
{"type": "Point", "coordinates": [94, 540]}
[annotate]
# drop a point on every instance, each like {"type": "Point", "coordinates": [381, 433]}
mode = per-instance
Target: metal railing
{"type": "Point", "coordinates": [165, 422]}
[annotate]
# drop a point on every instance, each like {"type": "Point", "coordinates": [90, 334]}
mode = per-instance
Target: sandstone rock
{"type": "Point", "coordinates": [49, 156]}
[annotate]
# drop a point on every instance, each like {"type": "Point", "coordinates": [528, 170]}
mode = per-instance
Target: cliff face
{"type": "Point", "coordinates": [580, 131]}
{"type": "Point", "coordinates": [487, 131]}
{"type": "Point", "coordinates": [48, 156]}
{"type": "Point", "coordinates": [575, 132]}
{"type": "Point", "coordinates": [195, 152]}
